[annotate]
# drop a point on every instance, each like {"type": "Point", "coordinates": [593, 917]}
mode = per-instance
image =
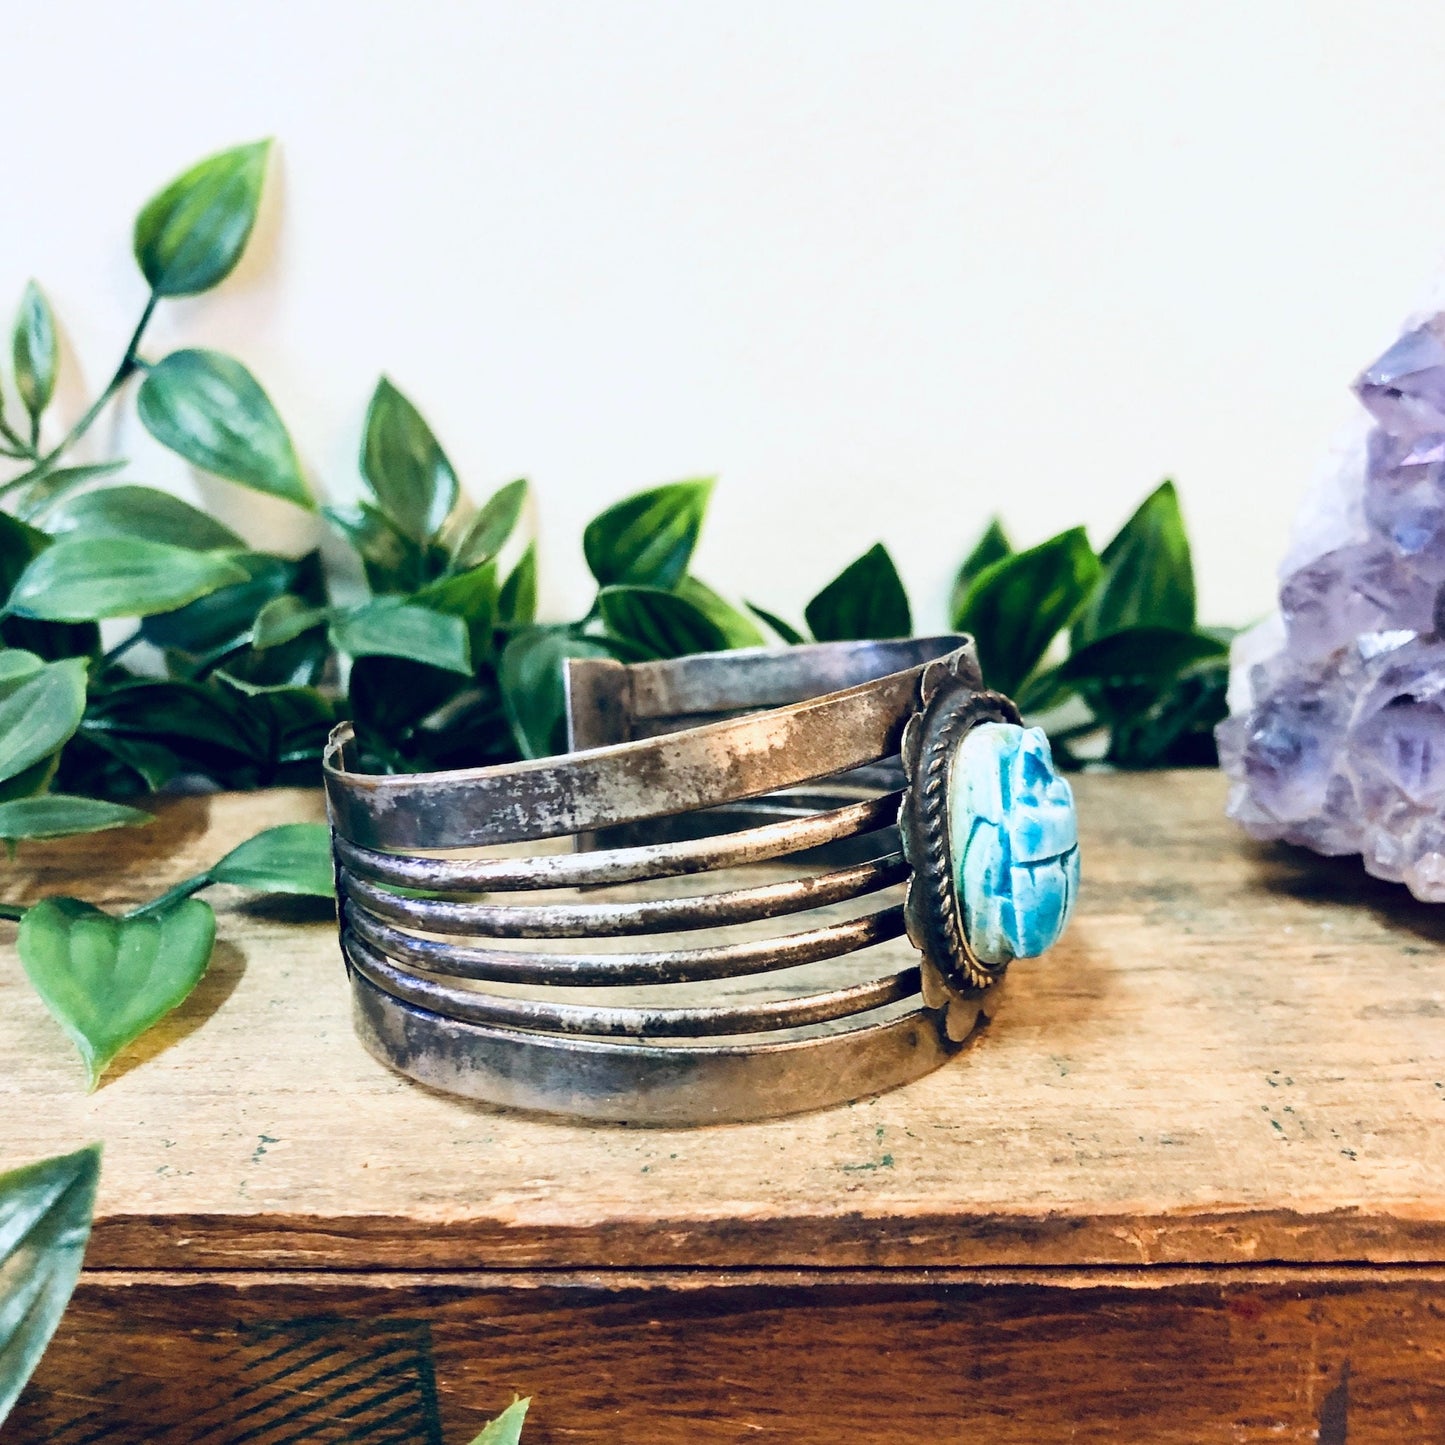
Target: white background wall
{"type": "Point", "coordinates": [883, 267]}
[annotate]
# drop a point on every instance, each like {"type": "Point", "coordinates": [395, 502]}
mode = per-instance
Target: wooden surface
{"type": "Point", "coordinates": [1196, 1164]}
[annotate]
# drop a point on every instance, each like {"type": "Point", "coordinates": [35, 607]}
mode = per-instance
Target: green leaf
{"type": "Point", "coordinates": [647, 540]}
{"type": "Point", "coordinates": [518, 601]}
{"type": "Point", "coordinates": [658, 623]}
{"type": "Point", "coordinates": [283, 619]}
{"type": "Point", "coordinates": [34, 349]}
{"type": "Point", "coordinates": [108, 979]}
{"type": "Point", "coordinates": [82, 579]}
{"type": "Point", "coordinates": [1016, 607]}
{"type": "Point", "coordinates": [866, 599]}
{"type": "Point", "coordinates": [784, 629]}
{"type": "Point", "coordinates": [993, 546]}
{"type": "Point", "coordinates": [1148, 576]}
{"type": "Point", "coordinates": [488, 531]}
{"type": "Point", "coordinates": [404, 465]}
{"type": "Point", "coordinates": [16, 665]}
{"type": "Point", "coordinates": [58, 815]}
{"type": "Point", "coordinates": [45, 1213]}
{"type": "Point", "coordinates": [1176, 728]}
{"type": "Point", "coordinates": [388, 627]}
{"type": "Point", "coordinates": [506, 1429]}
{"type": "Point", "coordinates": [1140, 652]}
{"type": "Point", "coordinates": [207, 407]}
{"type": "Point", "coordinates": [393, 563]}
{"type": "Point", "coordinates": [471, 596]}
{"type": "Point", "coordinates": [290, 858]}
{"type": "Point", "coordinates": [39, 714]}
{"type": "Point", "coordinates": [140, 512]}
{"type": "Point", "coordinates": [533, 693]}
{"type": "Point", "coordinates": [190, 236]}
{"type": "Point", "coordinates": [224, 616]}
{"type": "Point", "coordinates": [737, 628]}
{"type": "Point", "coordinates": [39, 496]}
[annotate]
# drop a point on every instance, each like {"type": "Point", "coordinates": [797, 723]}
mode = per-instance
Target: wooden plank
{"type": "Point", "coordinates": [1236, 1056]}
{"type": "Point", "coordinates": [269, 1359]}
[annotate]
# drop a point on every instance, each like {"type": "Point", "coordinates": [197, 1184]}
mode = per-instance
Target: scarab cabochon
{"type": "Point", "coordinates": [1014, 840]}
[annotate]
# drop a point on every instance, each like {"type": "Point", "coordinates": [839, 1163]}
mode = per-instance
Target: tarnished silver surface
{"type": "Point", "coordinates": [792, 809]}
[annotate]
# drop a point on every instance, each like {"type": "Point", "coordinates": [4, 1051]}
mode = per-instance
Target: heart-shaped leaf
{"type": "Point", "coordinates": [1016, 607]}
{"type": "Point", "coordinates": [658, 623]}
{"type": "Point", "coordinates": [866, 599]}
{"type": "Point", "coordinates": [140, 512]}
{"type": "Point", "coordinates": [190, 236]}
{"type": "Point", "coordinates": [34, 351]}
{"type": "Point", "coordinates": [388, 627]}
{"type": "Point", "coordinates": [59, 815]}
{"type": "Point", "coordinates": [404, 465]}
{"type": "Point", "coordinates": [289, 858]}
{"type": "Point", "coordinates": [647, 540]}
{"type": "Point", "coordinates": [207, 407]}
{"type": "Point", "coordinates": [487, 532]}
{"type": "Point", "coordinates": [45, 1214]}
{"type": "Point", "coordinates": [506, 1429]}
{"type": "Point", "coordinates": [1148, 578]}
{"type": "Point", "coordinates": [82, 579]}
{"type": "Point", "coordinates": [107, 979]}
{"type": "Point", "coordinates": [39, 712]}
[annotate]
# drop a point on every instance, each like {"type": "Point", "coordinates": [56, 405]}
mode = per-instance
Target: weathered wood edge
{"type": "Point", "coordinates": [361, 1243]}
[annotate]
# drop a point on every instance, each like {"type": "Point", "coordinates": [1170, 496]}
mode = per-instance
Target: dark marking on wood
{"type": "Point", "coordinates": [1335, 1412]}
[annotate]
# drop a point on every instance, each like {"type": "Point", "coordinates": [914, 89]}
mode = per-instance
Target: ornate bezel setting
{"type": "Point", "coordinates": [952, 700]}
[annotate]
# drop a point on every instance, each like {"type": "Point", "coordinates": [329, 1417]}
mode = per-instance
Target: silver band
{"type": "Point", "coordinates": [676, 775]}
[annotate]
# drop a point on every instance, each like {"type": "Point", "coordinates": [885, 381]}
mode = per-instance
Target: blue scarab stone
{"type": "Point", "coordinates": [1014, 839]}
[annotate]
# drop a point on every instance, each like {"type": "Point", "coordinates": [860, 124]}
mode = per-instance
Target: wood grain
{"type": "Point", "coordinates": [1237, 1056]}
{"type": "Point", "coordinates": [273, 1360]}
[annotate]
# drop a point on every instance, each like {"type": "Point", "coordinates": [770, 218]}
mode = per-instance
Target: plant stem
{"type": "Point", "coordinates": [171, 895]}
{"type": "Point", "coordinates": [13, 911]}
{"type": "Point", "coordinates": [129, 363]}
{"type": "Point", "coordinates": [9, 433]}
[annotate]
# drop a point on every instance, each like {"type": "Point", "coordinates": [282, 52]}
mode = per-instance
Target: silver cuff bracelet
{"type": "Point", "coordinates": [835, 776]}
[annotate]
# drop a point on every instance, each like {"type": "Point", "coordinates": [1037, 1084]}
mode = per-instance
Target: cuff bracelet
{"type": "Point", "coordinates": [761, 819]}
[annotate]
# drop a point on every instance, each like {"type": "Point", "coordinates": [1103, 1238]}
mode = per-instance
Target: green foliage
{"type": "Point", "coordinates": [866, 599]}
{"type": "Point", "coordinates": [1139, 675]}
{"type": "Point", "coordinates": [35, 352]}
{"type": "Point", "coordinates": [647, 540]}
{"type": "Point", "coordinates": [531, 676]}
{"type": "Point", "coordinates": [58, 815]}
{"type": "Point", "coordinates": [289, 858]}
{"type": "Point", "coordinates": [129, 511]}
{"type": "Point", "coordinates": [212, 411]}
{"type": "Point", "coordinates": [83, 579]}
{"type": "Point", "coordinates": [506, 1429]}
{"type": "Point", "coordinates": [190, 236]}
{"type": "Point", "coordinates": [107, 980]}
{"type": "Point", "coordinates": [650, 622]}
{"type": "Point", "coordinates": [405, 467]}
{"type": "Point", "coordinates": [45, 1214]}
{"type": "Point", "coordinates": [1015, 607]}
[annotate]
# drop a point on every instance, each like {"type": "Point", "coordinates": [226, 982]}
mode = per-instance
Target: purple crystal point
{"type": "Point", "coordinates": [1336, 738]}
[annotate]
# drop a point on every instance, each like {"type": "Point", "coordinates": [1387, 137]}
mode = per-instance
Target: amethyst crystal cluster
{"type": "Point", "coordinates": [1336, 738]}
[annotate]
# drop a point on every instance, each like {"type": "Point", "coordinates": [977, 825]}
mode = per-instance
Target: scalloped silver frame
{"type": "Point", "coordinates": [952, 699]}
